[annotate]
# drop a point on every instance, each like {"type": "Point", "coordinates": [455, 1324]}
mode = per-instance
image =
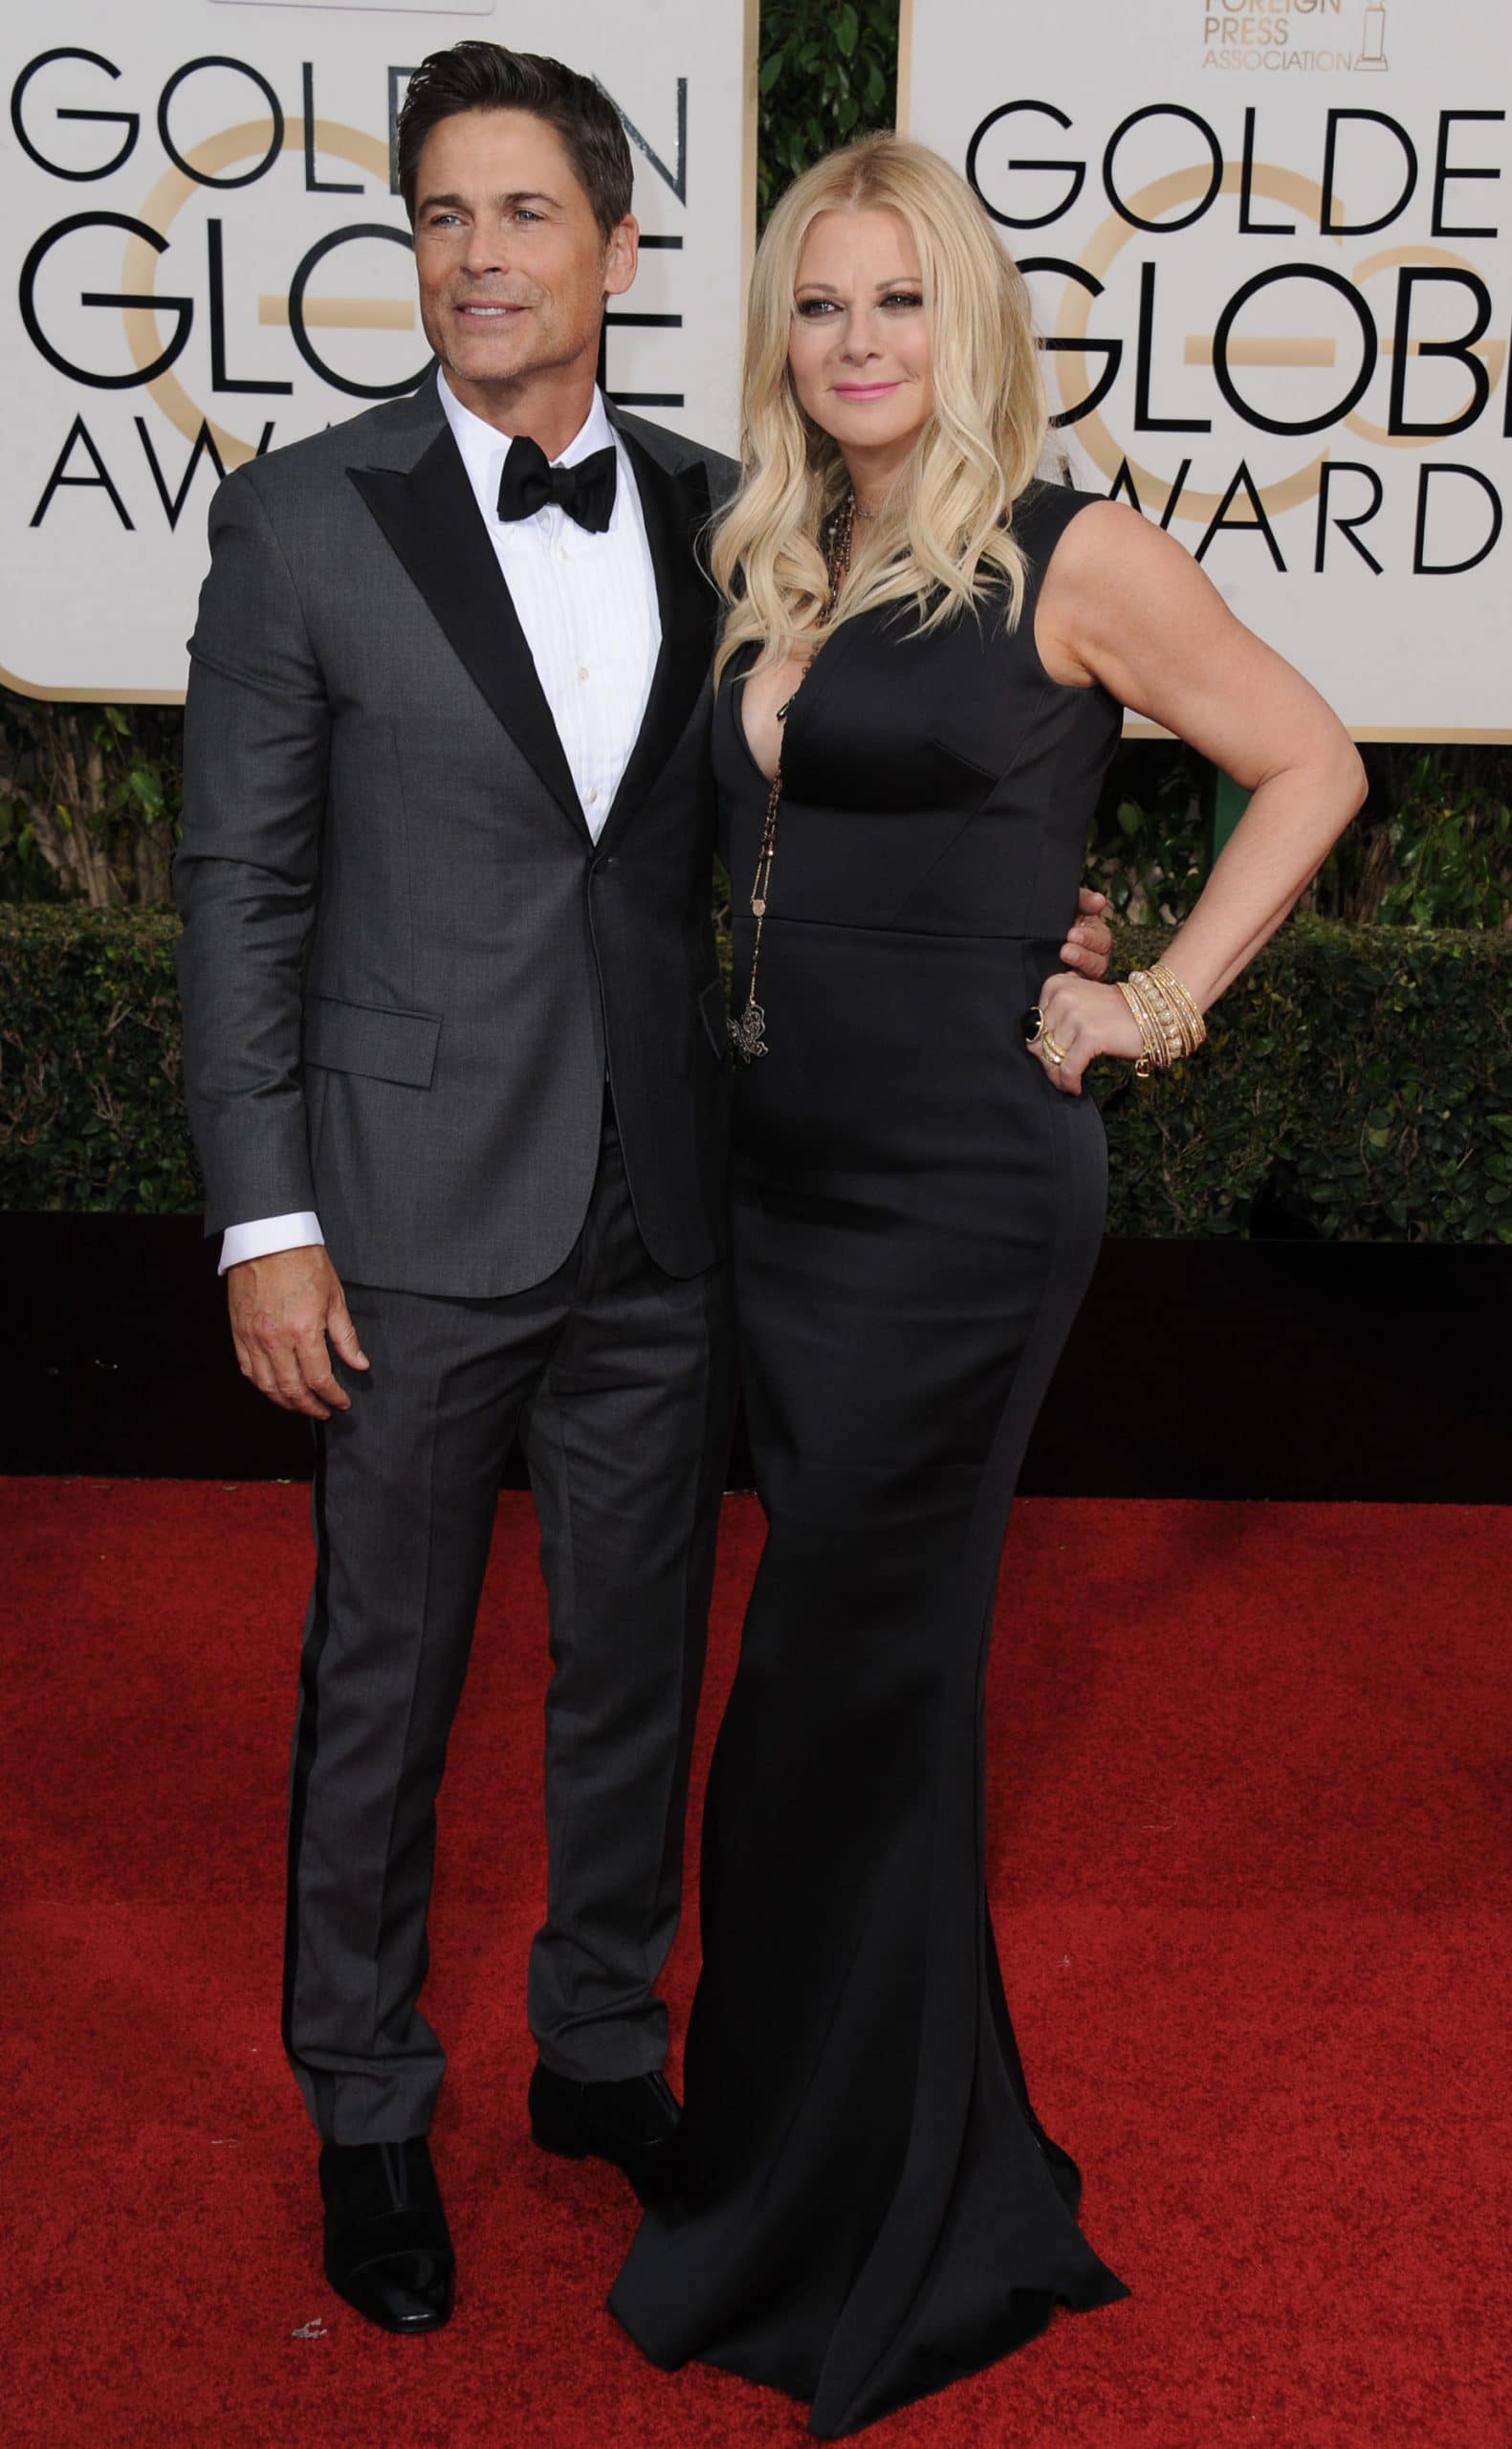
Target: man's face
{"type": "Point", "coordinates": [513, 267]}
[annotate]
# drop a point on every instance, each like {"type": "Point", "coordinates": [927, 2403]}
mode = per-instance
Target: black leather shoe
{"type": "Point", "coordinates": [632, 2122]}
{"type": "Point", "coordinates": [387, 2250]}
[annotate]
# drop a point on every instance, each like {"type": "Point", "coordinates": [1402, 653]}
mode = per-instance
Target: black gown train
{"type": "Point", "coordinates": [872, 2208]}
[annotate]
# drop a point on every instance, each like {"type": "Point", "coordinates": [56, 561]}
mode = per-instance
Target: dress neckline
{"type": "Point", "coordinates": [735, 696]}
{"type": "Point", "coordinates": [823, 657]}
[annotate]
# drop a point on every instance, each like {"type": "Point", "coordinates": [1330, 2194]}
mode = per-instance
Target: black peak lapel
{"type": "Point", "coordinates": [674, 508]}
{"type": "Point", "coordinates": [429, 516]}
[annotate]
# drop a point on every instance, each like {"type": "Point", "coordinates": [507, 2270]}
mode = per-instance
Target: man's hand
{"type": "Point", "coordinates": [1089, 948]}
{"type": "Point", "coordinates": [282, 1309]}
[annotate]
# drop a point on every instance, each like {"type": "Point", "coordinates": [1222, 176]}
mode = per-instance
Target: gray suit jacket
{"type": "Point", "coordinates": [404, 964]}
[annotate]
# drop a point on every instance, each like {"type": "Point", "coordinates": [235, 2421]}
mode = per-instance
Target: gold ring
{"type": "Point", "coordinates": [1055, 1054]}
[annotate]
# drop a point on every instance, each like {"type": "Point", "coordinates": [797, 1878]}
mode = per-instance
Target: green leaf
{"type": "Point", "coordinates": [847, 27]}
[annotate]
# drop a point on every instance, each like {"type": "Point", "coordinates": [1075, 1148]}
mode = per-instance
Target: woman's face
{"type": "Point", "coordinates": [859, 348]}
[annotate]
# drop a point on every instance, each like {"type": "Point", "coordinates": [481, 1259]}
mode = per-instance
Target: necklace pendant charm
{"type": "Point", "coordinates": [747, 1034]}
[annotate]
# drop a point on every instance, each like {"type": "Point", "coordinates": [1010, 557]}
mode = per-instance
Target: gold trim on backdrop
{"type": "Point", "coordinates": [748, 175]}
{"type": "Point", "coordinates": [1263, 348]}
{"type": "Point", "coordinates": [55, 696]}
{"type": "Point", "coordinates": [905, 66]}
{"type": "Point", "coordinates": [1423, 735]}
{"type": "Point", "coordinates": [1273, 349]}
{"type": "Point", "coordinates": [344, 314]}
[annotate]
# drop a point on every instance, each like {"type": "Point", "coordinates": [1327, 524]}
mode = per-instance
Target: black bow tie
{"type": "Point", "coordinates": [530, 482]}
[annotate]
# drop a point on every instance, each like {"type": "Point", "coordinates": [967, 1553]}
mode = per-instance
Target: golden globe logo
{"type": "Point", "coordinates": [186, 243]}
{"type": "Point", "coordinates": [1265, 386]}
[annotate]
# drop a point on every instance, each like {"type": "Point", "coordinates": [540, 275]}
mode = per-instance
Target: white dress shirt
{"type": "Point", "coordinates": [587, 606]}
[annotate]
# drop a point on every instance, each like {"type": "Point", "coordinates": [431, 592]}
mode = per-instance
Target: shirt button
{"type": "Point", "coordinates": [562, 553]}
{"type": "Point", "coordinates": [583, 672]}
{"type": "Point", "coordinates": [593, 798]}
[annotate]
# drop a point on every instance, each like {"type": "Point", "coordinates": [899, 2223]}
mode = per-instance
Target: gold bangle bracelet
{"type": "Point", "coordinates": [1184, 1001]}
{"type": "Point", "coordinates": [1159, 1048]}
{"type": "Point", "coordinates": [1159, 1018]}
{"type": "Point", "coordinates": [1150, 1059]}
{"type": "Point", "coordinates": [1187, 1017]}
{"type": "Point", "coordinates": [1169, 1024]}
{"type": "Point", "coordinates": [1175, 1035]}
{"type": "Point", "coordinates": [1180, 1036]}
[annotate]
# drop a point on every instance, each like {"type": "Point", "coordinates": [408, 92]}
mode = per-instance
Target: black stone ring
{"type": "Point", "coordinates": [1032, 1023]}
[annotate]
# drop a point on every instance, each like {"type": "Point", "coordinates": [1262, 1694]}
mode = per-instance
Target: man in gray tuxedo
{"type": "Point", "coordinates": [454, 1054]}
{"type": "Point", "coordinates": [456, 1066]}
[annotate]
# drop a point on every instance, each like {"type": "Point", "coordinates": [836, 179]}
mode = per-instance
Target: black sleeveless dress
{"type": "Point", "coordinates": [872, 2208]}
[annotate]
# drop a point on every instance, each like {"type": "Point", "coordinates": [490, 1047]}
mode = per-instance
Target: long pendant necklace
{"type": "Point", "coordinates": [748, 1029]}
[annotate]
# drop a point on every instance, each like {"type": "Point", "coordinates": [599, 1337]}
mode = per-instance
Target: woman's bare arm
{"type": "Point", "coordinates": [1125, 605]}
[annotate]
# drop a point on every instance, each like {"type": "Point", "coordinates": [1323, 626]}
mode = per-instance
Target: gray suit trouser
{"type": "Point", "coordinates": [620, 1378]}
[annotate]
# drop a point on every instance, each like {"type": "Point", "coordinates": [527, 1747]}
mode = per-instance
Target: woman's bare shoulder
{"type": "Point", "coordinates": [1106, 537]}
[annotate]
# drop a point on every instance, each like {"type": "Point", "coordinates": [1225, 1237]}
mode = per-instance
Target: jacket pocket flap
{"type": "Point", "coordinates": [372, 1039]}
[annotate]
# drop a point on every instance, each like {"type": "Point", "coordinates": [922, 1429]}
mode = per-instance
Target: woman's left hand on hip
{"type": "Point", "coordinates": [1081, 1021]}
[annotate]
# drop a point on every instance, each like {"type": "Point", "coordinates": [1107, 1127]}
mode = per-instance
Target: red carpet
{"type": "Point", "coordinates": [1251, 1859]}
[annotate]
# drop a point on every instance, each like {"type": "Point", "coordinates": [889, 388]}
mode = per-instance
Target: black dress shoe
{"type": "Point", "coordinates": [387, 2250]}
{"type": "Point", "coordinates": [632, 2122]}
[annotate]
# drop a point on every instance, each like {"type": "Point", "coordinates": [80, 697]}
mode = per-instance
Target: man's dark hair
{"type": "Point", "coordinates": [485, 77]}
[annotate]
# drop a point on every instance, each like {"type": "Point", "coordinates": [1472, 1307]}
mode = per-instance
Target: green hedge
{"type": "Point", "coordinates": [91, 1109]}
{"type": "Point", "coordinates": [1358, 1081]}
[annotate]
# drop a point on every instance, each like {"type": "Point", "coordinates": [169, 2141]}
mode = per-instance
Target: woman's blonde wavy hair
{"type": "Point", "coordinates": [945, 533]}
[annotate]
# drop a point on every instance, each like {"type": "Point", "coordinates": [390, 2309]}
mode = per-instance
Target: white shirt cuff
{"type": "Point", "coordinates": [266, 1234]}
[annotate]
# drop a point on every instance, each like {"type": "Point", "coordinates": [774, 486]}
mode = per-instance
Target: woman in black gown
{"type": "Point", "coordinates": [869, 2207]}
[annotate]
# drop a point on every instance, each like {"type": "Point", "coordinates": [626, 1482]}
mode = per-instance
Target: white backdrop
{"type": "Point", "coordinates": [230, 160]}
{"type": "Point", "coordinates": [1300, 364]}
